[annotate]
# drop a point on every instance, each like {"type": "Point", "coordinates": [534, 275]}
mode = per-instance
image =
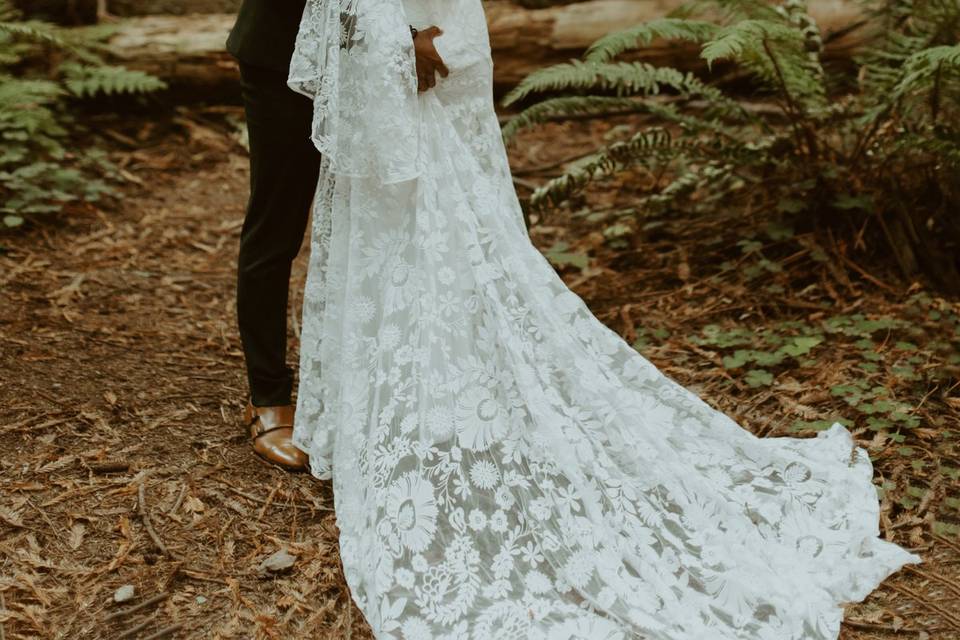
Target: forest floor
{"type": "Point", "coordinates": [125, 464]}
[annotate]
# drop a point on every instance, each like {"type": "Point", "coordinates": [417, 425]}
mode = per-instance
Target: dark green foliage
{"type": "Point", "coordinates": [611, 46]}
{"type": "Point", "coordinates": [43, 70]}
{"type": "Point", "coordinates": [881, 157]}
{"type": "Point", "coordinates": [898, 358]}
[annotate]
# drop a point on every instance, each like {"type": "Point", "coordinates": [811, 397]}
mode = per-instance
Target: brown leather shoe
{"type": "Point", "coordinates": [272, 431]}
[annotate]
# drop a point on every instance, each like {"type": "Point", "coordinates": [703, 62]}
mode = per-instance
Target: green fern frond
{"type": "Point", "coordinates": [933, 57]}
{"type": "Point", "coordinates": [748, 35]}
{"type": "Point", "coordinates": [645, 146]}
{"type": "Point", "coordinates": [928, 71]}
{"type": "Point", "coordinates": [569, 106]}
{"type": "Point", "coordinates": [37, 173]}
{"type": "Point", "coordinates": [17, 94]}
{"type": "Point", "coordinates": [87, 81]}
{"type": "Point", "coordinates": [8, 12]}
{"type": "Point", "coordinates": [710, 179]}
{"type": "Point", "coordinates": [566, 76]}
{"type": "Point", "coordinates": [598, 106]}
{"type": "Point", "coordinates": [777, 54]}
{"type": "Point", "coordinates": [902, 29]}
{"type": "Point", "coordinates": [622, 78]}
{"type": "Point", "coordinates": [37, 32]}
{"type": "Point", "coordinates": [27, 116]}
{"type": "Point", "coordinates": [609, 47]}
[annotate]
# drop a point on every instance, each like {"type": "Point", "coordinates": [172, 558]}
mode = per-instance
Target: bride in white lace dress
{"type": "Point", "coordinates": [505, 467]}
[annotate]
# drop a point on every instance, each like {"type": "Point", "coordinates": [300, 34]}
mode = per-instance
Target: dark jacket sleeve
{"type": "Point", "coordinates": [265, 32]}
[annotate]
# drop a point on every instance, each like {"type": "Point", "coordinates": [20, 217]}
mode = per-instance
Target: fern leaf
{"type": "Point", "coordinates": [622, 78]}
{"type": "Point", "coordinates": [8, 12]}
{"type": "Point", "coordinates": [19, 93]}
{"type": "Point", "coordinates": [645, 146]}
{"type": "Point", "coordinates": [38, 32]}
{"type": "Point", "coordinates": [606, 105]}
{"type": "Point", "coordinates": [609, 47]}
{"type": "Point", "coordinates": [86, 81]}
{"type": "Point", "coordinates": [569, 106]}
{"type": "Point", "coordinates": [934, 56]}
{"type": "Point", "coordinates": [920, 69]}
{"type": "Point", "coordinates": [734, 40]}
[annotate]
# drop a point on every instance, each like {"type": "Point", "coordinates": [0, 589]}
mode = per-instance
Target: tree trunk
{"type": "Point", "coordinates": [525, 40]}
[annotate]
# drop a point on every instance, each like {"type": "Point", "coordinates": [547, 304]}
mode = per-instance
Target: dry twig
{"type": "Point", "coordinates": [145, 518]}
{"type": "Point", "coordinates": [122, 613]}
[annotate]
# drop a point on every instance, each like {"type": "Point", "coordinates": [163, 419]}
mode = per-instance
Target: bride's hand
{"type": "Point", "coordinates": [429, 63]}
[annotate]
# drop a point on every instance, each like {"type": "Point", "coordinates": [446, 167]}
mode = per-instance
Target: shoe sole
{"type": "Point", "coordinates": [280, 465]}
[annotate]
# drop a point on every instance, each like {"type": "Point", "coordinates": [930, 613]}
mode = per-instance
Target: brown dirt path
{"type": "Point", "coordinates": [124, 462]}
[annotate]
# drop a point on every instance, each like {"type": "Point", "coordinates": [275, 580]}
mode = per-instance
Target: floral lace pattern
{"type": "Point", "coordinates": [504, 465]}
{"type": "Point", "coordinates": [354, 59]}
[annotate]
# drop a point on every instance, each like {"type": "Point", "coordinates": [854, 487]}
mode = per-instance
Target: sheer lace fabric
{"type": "Point", "coordinates": [354, 58]}
{"type": "Point", "coordinates": [504, 465]}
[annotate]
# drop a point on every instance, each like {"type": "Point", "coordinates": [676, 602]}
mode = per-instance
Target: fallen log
{"type": "Point", "coordinates": [86, 11]}
{"type": "Point", "coordinates": [189, 50]}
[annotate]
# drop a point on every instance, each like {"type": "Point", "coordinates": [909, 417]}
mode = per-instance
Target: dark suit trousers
{"type": "Point", "coordinates": [284, 168]}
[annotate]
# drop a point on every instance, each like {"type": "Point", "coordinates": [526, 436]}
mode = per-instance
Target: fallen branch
{"type": "Point", "coordinates": [924, 602]}
{"type": "Point", "coordinates": [935, 578]}
{"type": "Point", "coordinates": [145, 518]}
{"type": "Point", "coordinates": [109, 467]}
{"type": "Point", "coordinates": [176, 505]}
{"type": "Point", "coordinates": [946, 541]}
{"type": "Point", "coordinates": [268, 501]}
{"type": "Point", "coordinates": [889, 628]}
{"type": "Point", "coordinates": [137, 607]}
{"type": "Point", "coordinates": [259, 500]}
{"type": "Point", "coordinates": [165, 632]}
{"type": "Point", "coordinates": [132, 631]}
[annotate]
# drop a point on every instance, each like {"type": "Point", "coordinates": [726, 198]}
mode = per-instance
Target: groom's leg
{"type": "Point", "coordinates": [284, 167]}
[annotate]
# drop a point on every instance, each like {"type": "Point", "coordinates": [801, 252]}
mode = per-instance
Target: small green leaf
{"type": "Point", "coordinates": [786, 205]}
{"type": "Point", "coordinates": [878, 424]}
{"type": "Point", "coordinates": [853, 202]}
{"type": "Point", "coordinates": [559, 256]}
{"type": "Point", "coordinates": [758, 378]}
{"type": "Point", "coordinates": [907, 502]}
{"type": "Point", "coordinates": [801, 345]}
{"type": "Point", "coordinates": [737, 360]}
{"type": "Point", "coordinates": [616, 231]}
{"type": "Point", "coordinates": [946, 529]}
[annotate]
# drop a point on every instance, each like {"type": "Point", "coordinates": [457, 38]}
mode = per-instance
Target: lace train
{"type": "Point", "coordinates": [505, 466]}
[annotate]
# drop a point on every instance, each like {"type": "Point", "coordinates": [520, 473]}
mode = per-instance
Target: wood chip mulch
{"type": "Point", "coordinates": [125, 472]}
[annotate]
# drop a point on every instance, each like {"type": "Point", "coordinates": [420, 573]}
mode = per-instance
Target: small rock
{"type": "Point", "coordinates": [278, 562]}
{"type": "Point", "coordinates": [124, 593]}
{"type": "Point", "coordinates": [201, 600]}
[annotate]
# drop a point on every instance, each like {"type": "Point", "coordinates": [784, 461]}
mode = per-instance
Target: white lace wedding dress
{"type": "Point", "coordinates": [505, 467]}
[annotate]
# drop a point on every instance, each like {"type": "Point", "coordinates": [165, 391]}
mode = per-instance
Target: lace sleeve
{"type": "Point", "coordinates": [355, 60]}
